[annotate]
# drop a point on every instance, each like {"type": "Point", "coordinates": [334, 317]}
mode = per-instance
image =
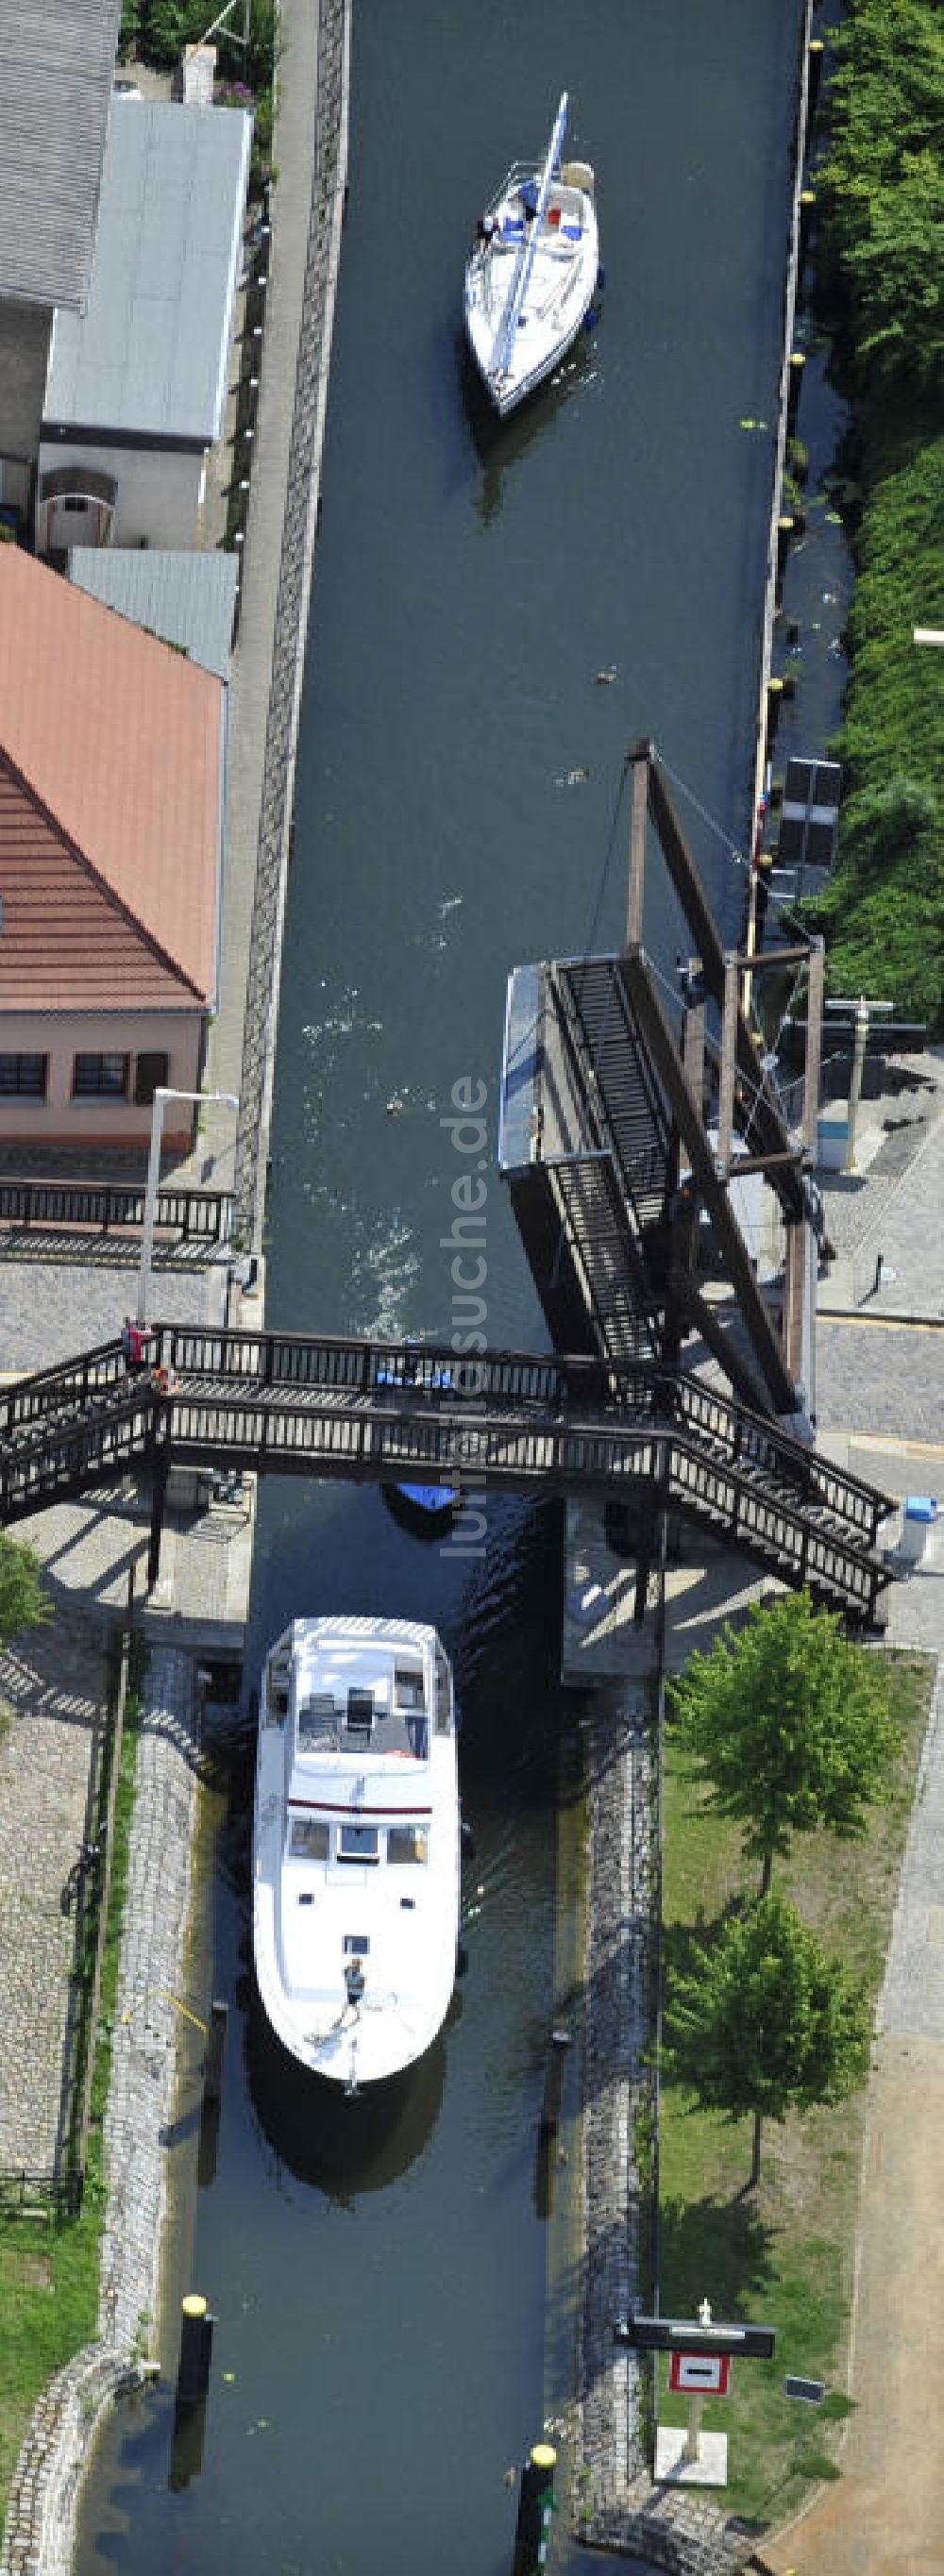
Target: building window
{"type": "Point", "coordinates": [150, 1075]}
{"type": "Point", "coordinates": [23, 1077]}
{"type": "Point", "coordinates": [100, 1077]}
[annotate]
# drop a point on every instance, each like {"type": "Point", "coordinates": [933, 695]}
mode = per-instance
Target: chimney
{"type": "Point", "coordinates": [195, 76]}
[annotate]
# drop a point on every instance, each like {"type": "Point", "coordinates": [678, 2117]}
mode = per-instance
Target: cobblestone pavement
{"type": "Point", "coordinates": [888, 1207]}
{"type": "Point", "coordinates": [40, 2522]}
{"type": "Point", "coordinates": [873, 1377]}
{"type": "Point", "coordinates": [49, 1684]}
{"type": "Point", "coordinates": [49, 1309]}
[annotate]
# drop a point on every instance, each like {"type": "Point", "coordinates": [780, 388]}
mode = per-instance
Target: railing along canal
{"type": "Point", "coordinates": [194, 1215]}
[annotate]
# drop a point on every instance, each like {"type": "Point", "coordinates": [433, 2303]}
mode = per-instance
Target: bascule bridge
{"type": "Point", "coordinates": [634, 1121]}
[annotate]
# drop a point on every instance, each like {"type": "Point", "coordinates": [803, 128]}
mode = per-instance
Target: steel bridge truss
{"type": "Point", "coordinates": [618, 1117]}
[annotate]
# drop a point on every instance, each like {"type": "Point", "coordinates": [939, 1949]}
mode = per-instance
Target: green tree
{"type": "Point", "coordinates": [790, 1724]}
{"type": "Point", "coordinates": [767, 2022]}
{"type": "Point", "coordinates": [24, 1603]}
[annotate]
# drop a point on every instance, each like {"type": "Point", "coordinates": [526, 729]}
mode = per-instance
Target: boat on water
{"type": "Point", "coordinates": [426, 1509]}
{"type": "Point", "coordinates": [356, 1845]}
{"type": "Point", "coordinates": [532, 272]}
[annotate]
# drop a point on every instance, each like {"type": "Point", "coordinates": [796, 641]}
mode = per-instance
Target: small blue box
{"type": "Point", "coordinates": [921, 1507]}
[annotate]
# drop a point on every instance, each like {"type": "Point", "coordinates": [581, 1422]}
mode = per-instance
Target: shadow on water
{"type": "Point", "coordinates": [501, 445]}
{"type": "Point", "coordinates": [341, 2145]}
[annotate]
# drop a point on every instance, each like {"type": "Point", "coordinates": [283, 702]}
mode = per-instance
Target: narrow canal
{"type": "Point", "coordinates": [379, 2273]}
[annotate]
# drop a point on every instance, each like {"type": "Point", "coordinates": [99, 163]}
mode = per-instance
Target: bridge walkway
{"type": "Point", "coordinates": [326, 1405]}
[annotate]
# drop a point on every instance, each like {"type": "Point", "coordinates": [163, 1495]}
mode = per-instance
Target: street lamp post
{"type": "Point", "coordinates": [161, 1097]}
{"type": "Point", "coordinates": [863, 1011]}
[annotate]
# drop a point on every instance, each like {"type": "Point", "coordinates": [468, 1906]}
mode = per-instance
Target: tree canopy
{"type": "Point", "coordinates": [879, 246]}
{"type": "Point", "coordinates": [767, 2022]}
{"type": "Point", "coordinates": [24, 1603]}
{"type": "Point", "coordinates": [791, 1726]}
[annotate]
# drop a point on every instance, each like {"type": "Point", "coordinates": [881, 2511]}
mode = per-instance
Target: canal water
{"type": "Point", "coordinates": [379, 2271]}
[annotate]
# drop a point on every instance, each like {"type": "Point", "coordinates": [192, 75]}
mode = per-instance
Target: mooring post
{"type": "Point", "coordinates": [535, 2507]}
{"type": "Point", "coordinates": [558, 2046]}
{"type": "Point", "coordinates": [784, 534]}
{"type": "Point", "coordinates": [160, 1471]}
{"type": "Point", "coordinates": [774, 697]}
{"type": "Point", "coordinates": [763, 869]}
{"type": "Point", "coordinates": [814, 61]}
{"type": "Point", "coordinates": [795, 368]}
{"type": "Point", "coordinates": [215, 2047]}
{"type": "Point", "coordinates": [196, 2346]}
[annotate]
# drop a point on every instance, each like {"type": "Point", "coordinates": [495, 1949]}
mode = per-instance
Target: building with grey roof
{"type": "Point", "coordinates": [58, 66]}
{"type": "Point", "coordinates": [55, 95]}
{"type": "Point", "coordinates": [136, 390]}
{"type": "Point", "coordinates": [187, 599]}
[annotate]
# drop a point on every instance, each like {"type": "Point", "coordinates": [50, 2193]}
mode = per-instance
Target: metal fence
{"type": "Point", "coordinates": [291, 618]}
{"type": "Point", "coordinates": [193, 1215]}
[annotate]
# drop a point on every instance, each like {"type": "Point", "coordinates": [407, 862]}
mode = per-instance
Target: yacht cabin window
{"type": "Point", "coordinates": [308, 1838]}
{"type": "Point", "coordinates": [407, 1843]}
{"type": "Point", "coordinates": [358, 1842]}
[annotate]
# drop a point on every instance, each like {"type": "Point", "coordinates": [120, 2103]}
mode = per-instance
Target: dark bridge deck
{"type": "Point", "coordinates": [323, 1406]}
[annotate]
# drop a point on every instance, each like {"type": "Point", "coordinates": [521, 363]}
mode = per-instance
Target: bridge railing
{"type": "Point", "coordinates": [196, 1215]}
{"type": "Point", "coordinates": [51, 1390]}
{"type": "Point", "coordinates": [645, 1391]}
{"type": "Point", "coordinates": [749, 1440]}
{"type": "Point", "coordinates": [385, 1434]}
{"type": "Point", "coordinates": [359, 1379]}
{"type": "Point", "coordinates": [285, 1360]}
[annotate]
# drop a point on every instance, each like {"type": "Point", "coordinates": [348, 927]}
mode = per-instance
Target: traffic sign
{"type": "Point", "coordinates": [700, 2374]}
{"type": "Point", "coordinates": [689, 2334]}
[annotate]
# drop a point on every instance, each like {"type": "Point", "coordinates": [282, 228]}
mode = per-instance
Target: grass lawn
{"type": "Point", "coordinates": [49, 2270]}
{"type": "Point", "coordinates": [782, 2255]}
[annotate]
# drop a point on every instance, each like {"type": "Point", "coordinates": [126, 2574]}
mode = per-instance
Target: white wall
{"type": "Point", "coordinates": [158, 496]}
{"type": "Point", "coordinates": [61, 1035]}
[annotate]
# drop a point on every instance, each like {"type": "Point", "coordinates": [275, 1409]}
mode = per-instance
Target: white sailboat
{"type": "Point", "coordinates": [532, 271]}
{"type": "Point", "coordinates": [356, 1844]}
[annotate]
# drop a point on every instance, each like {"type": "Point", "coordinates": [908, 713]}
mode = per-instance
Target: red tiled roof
{"type": "Point", "coordinates": [110, 751]}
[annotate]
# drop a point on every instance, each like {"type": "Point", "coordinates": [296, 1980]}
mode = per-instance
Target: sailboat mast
{"type": "Point", "coordinates": [526, 256]}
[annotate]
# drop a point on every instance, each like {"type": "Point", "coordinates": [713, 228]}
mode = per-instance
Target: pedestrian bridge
{"type": "Point", "coordinates": [323, 1405]}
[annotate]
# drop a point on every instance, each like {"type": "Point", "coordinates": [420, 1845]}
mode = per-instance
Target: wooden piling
{"type": "Point", "coordinates": [807, 210]}
{"type": "Point", "coordinates": [554, 2082]}
{"type": "Point", "coordinates": [196, 2346]}
{"type": "Point", "coordinates": [795, 366]}
{"type": "Point", "coordinates": [774, 696]}
{"type": "Point", "coordinates": [785, 526]}
{"type": "Point", "coordinates": [535, 2507]}
{"type": "Point", "coordinates": [215, 2049]}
